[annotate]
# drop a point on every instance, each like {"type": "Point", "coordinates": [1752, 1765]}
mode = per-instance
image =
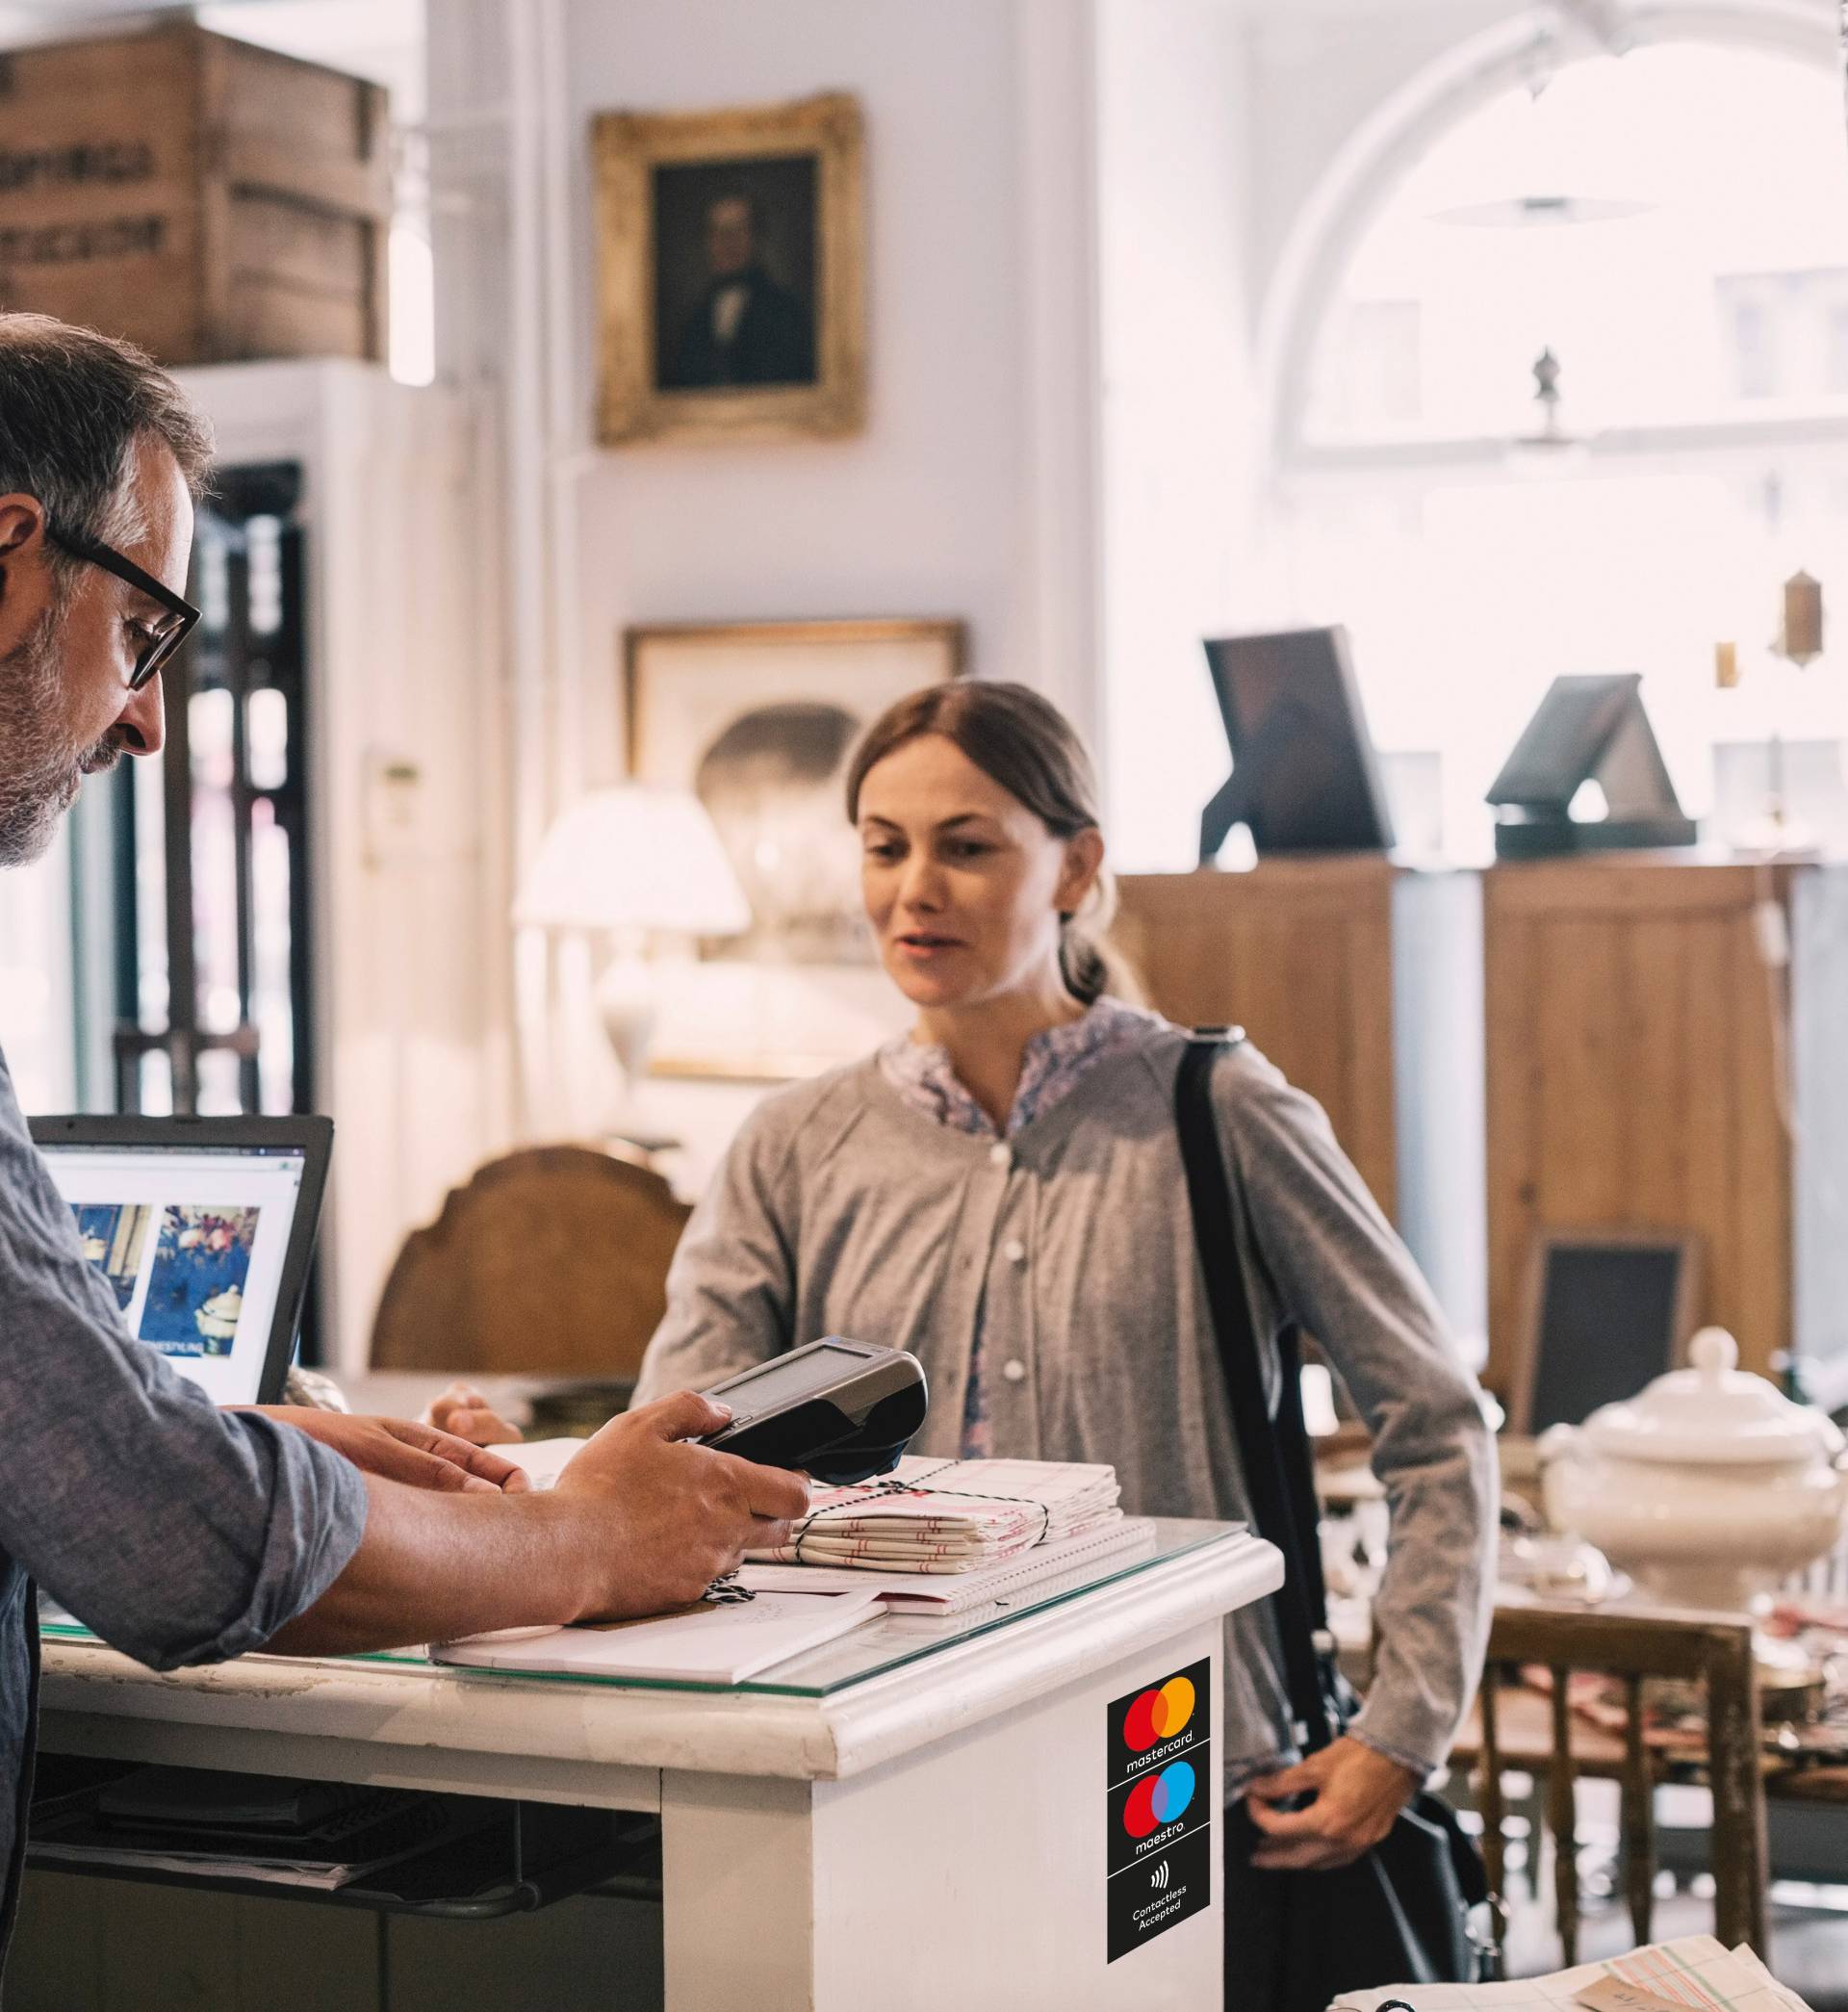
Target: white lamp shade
{"type": "Point", "coordinates": [636, 856]}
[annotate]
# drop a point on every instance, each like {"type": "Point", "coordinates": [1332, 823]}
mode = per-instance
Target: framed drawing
{"type": "Point", "coordinates": [732, 273]}
{"type": "Point", "coordinates": [758, 720]}
{"type": "Point", "coordinates": [1606, 1311]}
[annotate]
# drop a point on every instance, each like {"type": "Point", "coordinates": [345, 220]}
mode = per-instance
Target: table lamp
{"type": "Point", "coordinates": [633, 860]}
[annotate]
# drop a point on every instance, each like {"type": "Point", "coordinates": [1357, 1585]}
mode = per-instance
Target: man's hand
{"type": "Point", "coordinates": [1356, 1794]}
{"type": "Point", "coordinates": [463, 1410]}
{"type": "Point", "coordinates": [637, 1523]}
{"type": "Point", "coordinates": [398, 1449]}
{"type": "Point", "coordinates": [680, 1517]}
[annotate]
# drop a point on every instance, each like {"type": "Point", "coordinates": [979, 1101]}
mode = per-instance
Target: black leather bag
{"type": "Point", "coordinates": [1401, 1914]}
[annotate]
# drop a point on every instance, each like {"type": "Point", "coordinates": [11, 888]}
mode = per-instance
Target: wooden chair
{"type": "Point", "coordinates": [1519, 1729]}
{"type": "Point", "coordinates": [550, 1261]}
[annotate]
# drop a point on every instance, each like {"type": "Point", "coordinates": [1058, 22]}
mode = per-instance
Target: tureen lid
{"type": "Point", "coordinates": [1712, 1411]}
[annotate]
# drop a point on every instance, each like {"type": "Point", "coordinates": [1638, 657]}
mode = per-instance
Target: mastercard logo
{"type": "Point", "coordinates": [1158, 1715]}
{"type": "Point", "coordinates": [1159, 1798]}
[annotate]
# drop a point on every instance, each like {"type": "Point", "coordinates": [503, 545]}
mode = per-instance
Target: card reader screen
{"type": "Point", "coordinates": [790, 1379]}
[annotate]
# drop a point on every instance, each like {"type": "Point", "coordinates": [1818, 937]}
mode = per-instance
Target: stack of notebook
{"type": "Point", "coordinates": [948, 1517]}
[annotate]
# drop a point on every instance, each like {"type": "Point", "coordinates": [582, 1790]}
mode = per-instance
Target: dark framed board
{"type": "Point", "coordinates": [1606, 1313]}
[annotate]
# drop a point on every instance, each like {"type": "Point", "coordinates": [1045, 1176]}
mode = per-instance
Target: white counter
{"type": "Point", "coordinates": [913, 1816]}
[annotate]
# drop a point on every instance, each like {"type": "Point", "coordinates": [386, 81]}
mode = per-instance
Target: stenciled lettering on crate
{"type": "Point", "coordinates": [211, 200]}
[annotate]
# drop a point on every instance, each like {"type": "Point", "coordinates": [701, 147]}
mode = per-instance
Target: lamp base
{"type": "Point", "coordinates": [626, 1004]}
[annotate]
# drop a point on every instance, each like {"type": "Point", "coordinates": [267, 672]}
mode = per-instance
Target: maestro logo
{"type": "Point", "coordinates": [1158, 1715]}
{"type": "Point", "coordinates": [1159, 1798]}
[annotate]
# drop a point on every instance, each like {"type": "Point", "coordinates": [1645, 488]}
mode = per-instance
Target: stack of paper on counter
{"type": "Point", "coordinates": [950, 1515]}
{"type": "Point", "coordinates": [712, 1642]}
{"type": "Point", "coordinates": [928, 1592]}
{"type": "Point", "coordinates": [1695, 1972]}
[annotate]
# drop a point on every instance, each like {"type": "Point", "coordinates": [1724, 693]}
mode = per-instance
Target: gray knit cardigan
{"type": "Point", "coordinates": [840, 1210]}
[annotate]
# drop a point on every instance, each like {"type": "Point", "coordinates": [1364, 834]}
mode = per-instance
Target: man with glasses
{"type": "Point", "coordinates": [179, 1533]}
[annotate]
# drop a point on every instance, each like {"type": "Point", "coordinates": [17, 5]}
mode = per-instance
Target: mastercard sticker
{"type": "Point", "coordinates": [1158, 1807]}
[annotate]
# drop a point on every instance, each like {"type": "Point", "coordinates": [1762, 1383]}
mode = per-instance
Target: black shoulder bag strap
{"type": "Point", "coordinates": [1274, 1448]}
{"type": "Point", "coordinates": [1402, 1909]}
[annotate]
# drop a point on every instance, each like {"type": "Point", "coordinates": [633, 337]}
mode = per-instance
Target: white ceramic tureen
{"type": "Point", "coordinates": [1709, 1488]}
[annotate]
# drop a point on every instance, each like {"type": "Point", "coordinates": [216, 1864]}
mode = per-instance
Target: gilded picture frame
{"type": "Point", "coordinates": [732, 273]}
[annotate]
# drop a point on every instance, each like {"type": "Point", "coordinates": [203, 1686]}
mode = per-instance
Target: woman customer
{"type": "Point", "coordinates": [1002, 1193]}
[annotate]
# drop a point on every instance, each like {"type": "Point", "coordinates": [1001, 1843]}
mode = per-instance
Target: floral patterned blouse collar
{"type": "Point", "coordinates": [1054, 1062]}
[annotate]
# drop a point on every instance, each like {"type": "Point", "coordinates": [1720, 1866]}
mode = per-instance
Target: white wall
{"type": "Point", "coordinates": [937, 508]}
{"type": "Point", "coordinates": [1180, 477]}
{"type": "Point", "coordinates": [928, 514]}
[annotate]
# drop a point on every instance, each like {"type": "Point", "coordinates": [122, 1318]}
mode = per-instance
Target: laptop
{"type": "Point", "coordinates": [202, 1228]}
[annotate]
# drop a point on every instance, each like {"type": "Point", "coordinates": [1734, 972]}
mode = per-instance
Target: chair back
{"type": "Point", "coordinates": [550, 1261]}
{"type": "Point", "coordinates": [1713, 1651]}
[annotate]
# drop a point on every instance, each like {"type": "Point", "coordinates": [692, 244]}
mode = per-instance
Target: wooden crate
{"type": "Point", "coordinates": [207, 200]}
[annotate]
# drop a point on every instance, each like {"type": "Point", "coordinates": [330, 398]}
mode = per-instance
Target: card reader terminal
{"type": "Point", "coordinates": [840, 1410]}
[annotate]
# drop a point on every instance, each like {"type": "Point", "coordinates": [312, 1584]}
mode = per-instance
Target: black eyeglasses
{"type": "Point", "coordinates": [162, 640]}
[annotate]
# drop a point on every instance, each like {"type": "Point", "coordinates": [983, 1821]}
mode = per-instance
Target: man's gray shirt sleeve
{"type": "Point", "coordinates": [178, 1533]}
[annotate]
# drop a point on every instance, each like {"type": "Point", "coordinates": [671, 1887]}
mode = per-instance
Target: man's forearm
{"type": "Point", "coordinates": [432, 1566]}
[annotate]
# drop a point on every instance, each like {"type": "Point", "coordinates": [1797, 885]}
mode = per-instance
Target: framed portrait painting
{"type": "Point", "coordinates": [732, 257]}
{"type": "Point", "coordinates": [758, 719]}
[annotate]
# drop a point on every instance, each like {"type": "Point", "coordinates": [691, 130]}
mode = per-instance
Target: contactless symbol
{"type": "Point", "coordinates": [1159, 1798]}
{"type": "Point", "coordinates": [1158, 1878]}
{"type": "Point", "coordinates": [1158, 1715]}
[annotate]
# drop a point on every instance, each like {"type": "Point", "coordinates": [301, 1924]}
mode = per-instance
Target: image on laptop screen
{"type": "Point", "coordinates": [194, 1241]}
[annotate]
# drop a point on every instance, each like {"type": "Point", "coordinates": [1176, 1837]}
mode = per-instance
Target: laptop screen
{"type": "Point", "coordinates": [192, 1239]}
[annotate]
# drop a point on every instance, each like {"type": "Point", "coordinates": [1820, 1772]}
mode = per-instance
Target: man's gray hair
{"type": "Point", "coordinates": [74, 409]}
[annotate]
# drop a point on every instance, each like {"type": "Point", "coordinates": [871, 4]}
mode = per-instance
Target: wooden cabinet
{"type": "Point", "coordinates": [1646, 1042]}
{"type": "Point", "coordinates": [1661, 1054]}
{"type": "Point", "coordinates": [1362, 981]}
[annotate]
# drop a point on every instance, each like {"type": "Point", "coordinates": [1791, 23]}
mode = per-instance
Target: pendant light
{"type": "Point", "coordinates": [1546, 182]}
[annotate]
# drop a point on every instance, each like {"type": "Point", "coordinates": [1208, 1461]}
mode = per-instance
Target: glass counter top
{"type": "Point", "coordinates": [886, 1642]}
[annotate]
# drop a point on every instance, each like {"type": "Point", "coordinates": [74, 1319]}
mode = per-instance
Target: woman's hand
{"type": "Point", "coordinates": [398, 1449]}
{"type": "Point", "coordinates": [1355, 1794]}
{"type": "Point", "coordinates": [462, 1409]}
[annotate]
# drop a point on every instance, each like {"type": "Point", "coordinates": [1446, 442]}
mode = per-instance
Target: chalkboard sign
{"type": "Point", "coordinates": [1607, 1311]}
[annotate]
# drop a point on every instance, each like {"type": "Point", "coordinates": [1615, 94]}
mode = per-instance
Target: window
{"type": "Point", "coordinates": [1702, 346]}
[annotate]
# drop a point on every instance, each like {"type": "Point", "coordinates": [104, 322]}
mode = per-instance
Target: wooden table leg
{"type": "Point", "coordinates": [1638, 1814]}
{"type": "Point", "coordinates": [1740, 1863]}
{"type": "Point", "coordinates": [1494, 1813]}
{"type": "Point", "coordinates": [1562, 1821]}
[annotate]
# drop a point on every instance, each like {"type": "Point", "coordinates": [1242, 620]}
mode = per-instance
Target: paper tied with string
{"type": "Point", "coordinates": [950, 1515]}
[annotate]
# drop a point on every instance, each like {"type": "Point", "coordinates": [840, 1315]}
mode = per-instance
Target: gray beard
{"type": "Point", "coordinates": [41, 772]}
